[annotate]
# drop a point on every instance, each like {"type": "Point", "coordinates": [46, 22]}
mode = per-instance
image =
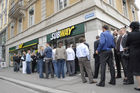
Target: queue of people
{"type": "Point", "coordinates": [122, 45]}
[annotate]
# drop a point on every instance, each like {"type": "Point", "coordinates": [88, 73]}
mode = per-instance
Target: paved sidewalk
{"type": "Point", "coordinates": [69, 84]}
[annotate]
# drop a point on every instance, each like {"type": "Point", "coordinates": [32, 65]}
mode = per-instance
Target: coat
{"type": "Point", "coordinates": [133, 42]}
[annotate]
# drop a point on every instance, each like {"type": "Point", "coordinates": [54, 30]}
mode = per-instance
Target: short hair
{"type": "Point", "coordinates": [48, 43]}
{"type": "Point", "coordinates": [97, 37]}
{"type": "Point", "coordinates": [105, 27]}
{"type": "Point", "coordinates": [81, 40]}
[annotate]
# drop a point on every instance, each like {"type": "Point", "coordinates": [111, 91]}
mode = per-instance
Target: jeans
{"type": "Point", "coordinates": [40, 68]}
{"type": "Point", "coordinates": [60, 69]}
{"type": "Point", "coordinates": [55, 67]}
{"type": "Point", "coordinates": [28, 69]}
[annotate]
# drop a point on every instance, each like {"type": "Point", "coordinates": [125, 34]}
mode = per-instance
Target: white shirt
{"type": "Point", "coordinates": [121, 47]}
{"type": "Point", "coordinates": [82, 51]}
{"type": "Point", "coordinates": [53, 53]}
{"type": "Point", "coordinates": [70, 54]}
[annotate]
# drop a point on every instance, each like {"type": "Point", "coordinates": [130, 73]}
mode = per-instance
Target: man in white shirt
{"type": "Point", "coordinates": [82, 52]}
{"type": "Point", "coordinates": [70, 60]}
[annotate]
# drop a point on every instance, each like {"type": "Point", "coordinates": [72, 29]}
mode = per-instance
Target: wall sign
{"type": "Point", "coordinates": [70, 31]}
{"type": "Point", "coordinates": [62, 33]}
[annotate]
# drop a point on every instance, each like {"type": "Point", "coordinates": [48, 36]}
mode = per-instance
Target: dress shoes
{"type": "Point", "coordinates": [100, 85]}
{"type": "Point", "coordinates": [138, 89]}
{"type": "Point", "coordinates": [111, 83]}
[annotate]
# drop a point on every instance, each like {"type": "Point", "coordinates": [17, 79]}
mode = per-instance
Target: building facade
{"type": "Point", "coordinates": [32, 23]}
{"type": "Point", "coordinates": [3, 26]}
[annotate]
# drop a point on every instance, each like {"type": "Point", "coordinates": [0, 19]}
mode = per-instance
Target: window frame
{"type": "Point", "coordinates": [12, 29]}
{"type": "Point", "coordinates": [63, 7]}
{"type": "Point", "coordinates": [20, 29]}
{"type": "Point", "coordinates": [33, 22]}
{"type": "Point", "coordinates": [125, 11]}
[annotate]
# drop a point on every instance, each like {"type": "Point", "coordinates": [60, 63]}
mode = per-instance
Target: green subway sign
{"type": "Point", "coordinates": [67, 32]}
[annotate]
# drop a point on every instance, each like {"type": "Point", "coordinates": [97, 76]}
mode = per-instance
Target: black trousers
{"type": "Point", "coordinates": [33, 66]}
{"type": "Point", "coordinates": [118, 62]}
{"type": "Point", "coordinates": [97, 65]}
{"type": "Point", "coordinates": [107, 57]}
{"type": "Point", "coordinates": [124, 63]}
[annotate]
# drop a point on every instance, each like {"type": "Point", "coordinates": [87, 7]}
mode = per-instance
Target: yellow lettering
{"type": "Point", "coordinates": [66, 32]}
{"type": "Point", "coordinates": [70, 29]}
{"type": "Point", "coordinates": [62, 34]}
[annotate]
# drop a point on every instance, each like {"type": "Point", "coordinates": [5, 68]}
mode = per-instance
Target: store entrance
{"type": "Point", "coordinates": [71, 40]}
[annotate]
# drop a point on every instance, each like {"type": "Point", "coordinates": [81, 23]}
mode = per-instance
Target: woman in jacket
{"type": "Point", "coordinates": [40, 58]}
{"type": "Point", "coordinates": [33, 56]}
{"type": "Point", "coordinates": [133, 42]}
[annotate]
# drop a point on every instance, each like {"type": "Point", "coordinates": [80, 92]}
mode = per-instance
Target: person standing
{"type": "Point", "coordinates": [133, 42]}
{"type": "Point", "coordinates": [48, 61]}
{"type": "Point", "coordinates": [82, 52]}
{"type": "Point", "coordinates": [15, 62]}
{"type": "Point", "coordinates": [40, 57]}
{"type": "Point", "coordinates": [61, 58]}
{"type": "Point", "coordinates": [106, 56]}
{"type": "Point", "coordinates": [70, 60]}
{"type": "Point", "coordinates": [18, 62]}
{"type": "Point", "coordinates": [28, 62]}
{"type": "Point", "coordinates": [96, 57]}
{"type": "Point", "coordinates": [124, 61]}
{"type": "Point", "coordinates": [54, 61]}
{"type": "Point", "coordinates": [23, 58]}
{"type": "Point", "coordinates": [33, 56]}
{"type": "Point", "coordinates": [117, 38]}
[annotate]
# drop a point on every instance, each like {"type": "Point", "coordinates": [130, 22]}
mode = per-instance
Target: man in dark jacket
{"type": "Point", "coordinates": [48, 61]}
{"type": "Point", "coordinates": [96, 56]}
{"type": "Point", "coordinates": [15, 62]}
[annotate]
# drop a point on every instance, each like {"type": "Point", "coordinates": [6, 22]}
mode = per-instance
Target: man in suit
{"type": "Point", "coordinates": [117, 56]}
{"type": "Point", "coordinates": [96, 57]}
{"type": "Point", "coordinates": [128, 75]}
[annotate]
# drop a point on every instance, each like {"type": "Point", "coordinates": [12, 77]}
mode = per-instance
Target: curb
{"type": "Point", "coordinates": [33, 86]}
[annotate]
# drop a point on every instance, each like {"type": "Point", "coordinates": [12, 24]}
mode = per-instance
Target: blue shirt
{"type": "Point", "coordinates": [106, 41]}
{"type": "Point", "coordinates": [28, 57]}
{"type": "Point", "coordinates": [48, 52]}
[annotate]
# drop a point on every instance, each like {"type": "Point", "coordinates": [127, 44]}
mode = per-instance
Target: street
{"type": "Point", "coordinates": [69, 84]}
{"type": "Point", "coordinates": [8, 87]}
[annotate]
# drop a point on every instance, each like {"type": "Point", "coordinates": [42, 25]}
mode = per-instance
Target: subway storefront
{"type": "Point", "coordinates": [30, 45]}
{"type": "Point", "coordinates": [69, 35]}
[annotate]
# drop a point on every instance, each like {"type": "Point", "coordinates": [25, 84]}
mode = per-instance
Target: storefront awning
{"type": "Point", "coordinates": [12, 49]}
{"type": "Point", "coordinates": [30, 43]}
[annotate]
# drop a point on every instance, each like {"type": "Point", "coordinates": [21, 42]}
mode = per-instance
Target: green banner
{"type": "Point", "coordinates": [12, 49]}
{"type": "Point", "coordinates": [67, 32]}
{"type": "Point", "coordinates": [30, 43]}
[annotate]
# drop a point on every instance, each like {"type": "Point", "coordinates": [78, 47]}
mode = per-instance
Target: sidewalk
{"type": "Point", "coordinates": [69, 84]}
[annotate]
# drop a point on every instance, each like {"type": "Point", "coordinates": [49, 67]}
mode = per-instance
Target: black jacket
{"type": "Point", "coordinates": [133, 42]}
{"type": "Point", "coordinates": [39, 56]}
{"type": "Point", "coordinates": [96, 43]}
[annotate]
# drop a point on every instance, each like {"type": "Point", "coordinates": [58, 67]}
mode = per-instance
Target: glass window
{"type": "Point", "coordinates": [5, 18]}
{"type": "Point", "coordinates": [133, 14]}
{"type": "Point", "coordinates": [20, 25]}
{"type": "Point", "coordinates": [63, 4]}
{"type": "Point", "coordinates": [12, 30]}
{"type": "Point", "coordinates": [31, 17]}
{"type": "Point", "coordinates": [125, 7]}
